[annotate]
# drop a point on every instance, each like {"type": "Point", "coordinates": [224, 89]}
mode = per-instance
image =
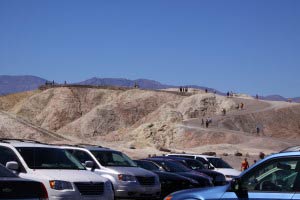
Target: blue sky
{"type": "Point", "coordinates": [244, 46]}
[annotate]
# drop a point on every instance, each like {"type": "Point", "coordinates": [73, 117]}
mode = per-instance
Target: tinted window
{"type": "Point", "coordinates": [202, 160]}
{"type": "Point", "coordinates": [113, 158]}
{"type": "Point", "coordinates": [219, 163]}
{"type": "Point", "coordinates": [147, 165]}
{"type": "Point", "coordinates": [82, 156]}
{"type": "Point", "coordinates": [7, 155]}
{"type": "Point", "coordinates": [173, 166]}
{"type": "Point", "coordinates": [49, 158]}
{"type": "Point", "coordinates": [277, 175]}
{"type": "Point", "coordinates": [195, 164]}
{"type": "Point", "coordinates": [5, 172]}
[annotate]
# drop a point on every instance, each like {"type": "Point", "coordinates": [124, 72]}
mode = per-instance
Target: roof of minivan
{"type": "Point", "coordinates": [97, 148]}
{"type": "Point", "coordinates": [17, 143]}
{"type": "Point", "coordinates": [200, 155]}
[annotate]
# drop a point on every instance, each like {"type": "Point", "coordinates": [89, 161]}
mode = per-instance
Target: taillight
{"type": "Point", "coordinates": [44, 193]}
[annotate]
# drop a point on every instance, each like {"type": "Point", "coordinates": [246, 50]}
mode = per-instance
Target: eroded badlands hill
{"type": "Point", "coordinates": [147, 119]}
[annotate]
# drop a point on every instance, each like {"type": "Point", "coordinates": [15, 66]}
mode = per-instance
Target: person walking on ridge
{"type": "Point", "coordinates": [244, 165]}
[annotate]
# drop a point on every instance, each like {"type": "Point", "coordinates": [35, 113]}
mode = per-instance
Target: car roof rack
{"type": "Point", "coordinates": [9, 140]}
{"type": "Point", "coordinates": [82, 145]}
{"type": "Point", "coordinates": [90, 145]}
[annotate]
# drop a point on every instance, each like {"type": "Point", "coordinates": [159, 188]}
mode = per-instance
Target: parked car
{"type": "Point", "coordinates": [213, 163]}
{"type": "Point", "coordinates": [169, 165]}
{"type": "Point", "coordinates": [13, 187]}
{"type": "Point", "coordinates": [129, 181]}
{"type": "Point", "coordinates": [218, 178]}
{"type": "Point", "coordinates": [170, 182]}
{"type": "Point", "coordinates": [63, 176]}
{"type": "Point", "coordinates": [275, 177]}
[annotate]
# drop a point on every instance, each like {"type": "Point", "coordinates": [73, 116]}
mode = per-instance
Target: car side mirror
{"type": "Point", "coordinates": [161, 169]}
{"type": "Point", "coordinates": [90, 164]}
{"type": "Point", "coordinates": [238, 189]}
{"type": "Point", "coordinates": [13, 166]}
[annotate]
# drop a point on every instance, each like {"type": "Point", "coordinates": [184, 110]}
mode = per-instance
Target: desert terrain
{"type": "Point", "coordinates": [142, 122]}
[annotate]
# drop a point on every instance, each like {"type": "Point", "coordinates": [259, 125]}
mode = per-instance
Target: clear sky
{"type": "Point", "coordinates": [244, 46]}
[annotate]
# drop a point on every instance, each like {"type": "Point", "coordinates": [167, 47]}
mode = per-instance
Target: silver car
{"type": "Point", "coordinates": [129, 181]}
{"type": "Point", "coordinates": [275, 177]}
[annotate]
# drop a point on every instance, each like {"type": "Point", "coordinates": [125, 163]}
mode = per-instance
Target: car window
{"type": "Point", "coordinates": [147, 165]}
{"type": "Point", "coordinates": [202, 160]}
{"type": "Point", "coordinates": [276, 175]}
{"type": "Point", "coordinates": [170, 166]}
{"type": "Point", "coordinates": [49, 158]}
{"type": "Point", "coordinates": [194, 164]}
{"type": "Point", "coordinates": [5, 172]}
{"type": "Point", "coordinates": [7, 155]}
{"type": "Point", "coordinates": [219, 163]}
{"type": "Point", "coordinates": [82, 156]}
{"type": "Point", "coordinates": [113, 158]}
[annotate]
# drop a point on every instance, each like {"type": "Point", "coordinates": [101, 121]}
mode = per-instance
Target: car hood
{"type": "Point", "coordinates": [193, 174]}
{"type": "Point", "coordinates": [69, 175]}
{"type": "Point", "coordinates": [134, 171]}
{"type": "Point", "coordinates": [201, 193]}
{"type": "Point", "coordinates": [171, 176]}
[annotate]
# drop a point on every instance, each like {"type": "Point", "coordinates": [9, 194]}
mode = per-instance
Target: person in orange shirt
{"type": "Point", "coordinates": [244, 165]}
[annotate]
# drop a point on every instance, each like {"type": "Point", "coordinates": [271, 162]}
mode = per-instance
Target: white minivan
{"type": "Point", "coordinates": [64, 177]}
{"type": "Point", "coordinates": [213, 163]}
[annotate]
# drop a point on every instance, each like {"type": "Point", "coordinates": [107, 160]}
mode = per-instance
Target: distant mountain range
{"type": "Point", "coordinates": [142, 83]}
{"type": "Point", "coordinates": [13, 84]}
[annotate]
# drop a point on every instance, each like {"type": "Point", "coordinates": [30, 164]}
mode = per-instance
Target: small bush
{"type": "Point", "coordinates": [210, 153]}
{"type": "Point", "coordinates": [238, 154]}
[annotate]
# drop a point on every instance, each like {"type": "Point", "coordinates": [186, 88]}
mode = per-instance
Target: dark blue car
{"type": "Point", "coordinates": [275, 177]}
{"type": "Point", "coordinates": [168, 165]}
{"type": "Point", "coordinates": [218, 178]}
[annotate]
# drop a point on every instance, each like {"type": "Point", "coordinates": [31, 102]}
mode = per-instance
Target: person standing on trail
{"type": "Point", "coordinates": [228, 94]}
{"type": "Point", "coordinates": [224, 111]}
{"type": "Point", "coordinates": [206, 90]}
{"type": "Point", "coordinates": [257, 129]}
{"type": "Point", "coordinates": [261, 155]}
{"type": "Point", "coordinates": [244, 165]}
{"type": "Point", "coordinates": [242, 106]}
{"type": "Point", "coordinates": [256, 96]}
{"type": "Point", "coordinates": [206, 123]}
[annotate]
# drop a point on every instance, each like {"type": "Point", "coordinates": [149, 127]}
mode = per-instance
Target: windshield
{"type": "Point", "coordinates": [4, 172]}
{"type": "Point", "coordinates": [147, 165]}
{"type": "Point", "coordinates": [219, 163]}
{"type": "Point", "coordinates": [113, 158]}
{"type": "Point", "coordinates": [49, 158]}
{"type": "Point", "coordinates": [173, 166]}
